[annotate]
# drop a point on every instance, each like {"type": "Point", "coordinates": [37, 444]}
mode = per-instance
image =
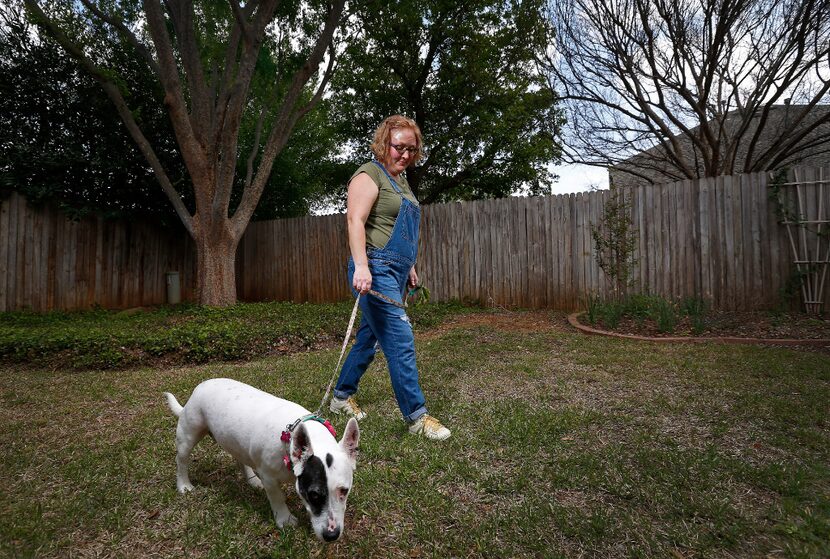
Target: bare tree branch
{"type": "Point", "coordinates": [697, 84]}
{"type": "Point", "coordinates": [287, 118]}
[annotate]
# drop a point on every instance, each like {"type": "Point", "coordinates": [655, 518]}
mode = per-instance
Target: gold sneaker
{"type": "Point", "coordinates": [429, 427]}
{"type": "Point", "coordinates": [348, 406]}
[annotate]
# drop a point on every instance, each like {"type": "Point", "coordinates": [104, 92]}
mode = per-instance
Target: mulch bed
{"type": "Point", "coordinates": [765, 325]}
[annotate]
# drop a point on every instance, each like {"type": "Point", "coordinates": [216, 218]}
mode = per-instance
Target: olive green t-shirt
{"type": "Point", "coordinates": [385, 210]}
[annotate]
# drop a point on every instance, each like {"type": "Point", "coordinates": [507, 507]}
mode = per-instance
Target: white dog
{"type": "Point", "coordinates": [273, 441]}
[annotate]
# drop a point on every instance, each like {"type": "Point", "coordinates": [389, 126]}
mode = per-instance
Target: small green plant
{"type": "Point", "coordinates": [612, 313]}
{"type": "Point", "coordinates": [418, 296]}
{"type": "Point", "coordinates": [640, 308]}
{"type": "Point", "coordinates": [615, 241]}
{"type": "Point", "coordinates": [664, 315]}
{"type": "Point", "coordinates": [695, 308]}
{"type": "Point", "coordinates": [593, 304]}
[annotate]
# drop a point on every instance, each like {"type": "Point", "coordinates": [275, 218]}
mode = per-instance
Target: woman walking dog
{"type": "Point", "coordinates": [383, 221]}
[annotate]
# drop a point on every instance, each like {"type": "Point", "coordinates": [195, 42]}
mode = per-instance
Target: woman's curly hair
{"type": "Point", "coordinates": [383, 137]}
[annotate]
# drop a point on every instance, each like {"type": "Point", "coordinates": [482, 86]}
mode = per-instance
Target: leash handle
{"type": "Point", "coordinates": [340, 359]}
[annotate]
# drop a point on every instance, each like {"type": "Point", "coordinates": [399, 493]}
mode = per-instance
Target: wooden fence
{"type": "Point", "coordinates": [49, 262]}
{"type": "Point", "coordinates": [716, 238]}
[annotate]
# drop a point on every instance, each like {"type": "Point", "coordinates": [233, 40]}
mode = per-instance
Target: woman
{"type": "Point", "coordinates": [383, 219]}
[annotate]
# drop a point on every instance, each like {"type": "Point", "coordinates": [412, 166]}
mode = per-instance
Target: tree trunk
{"type": "Point", "coordinates": [215, 262]}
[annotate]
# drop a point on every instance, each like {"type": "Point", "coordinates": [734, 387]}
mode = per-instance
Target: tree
{"type": "Point", "coordinates": [307, 175]}
{"type": "Point", "coordinates": [464, 71]}
{"type": "Point", "coordinates": [710, 87]}
{"type": "Point", "coordinates": [204, 56]}
{"type": "Point", "coordinates": [61, 139]}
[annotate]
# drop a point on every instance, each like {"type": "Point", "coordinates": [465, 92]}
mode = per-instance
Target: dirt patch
{"type": "Point", "coordinates": [512, 321]}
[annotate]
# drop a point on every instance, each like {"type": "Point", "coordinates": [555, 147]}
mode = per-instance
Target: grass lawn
{"type": "Point", "coordinates": [563, 446]}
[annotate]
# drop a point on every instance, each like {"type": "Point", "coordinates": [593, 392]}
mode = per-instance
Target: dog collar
{"type": "Point", "coordinates": [286, 435]}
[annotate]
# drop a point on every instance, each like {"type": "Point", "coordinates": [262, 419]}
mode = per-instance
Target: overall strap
{"type": "Point", "coordinates": [385, 172]}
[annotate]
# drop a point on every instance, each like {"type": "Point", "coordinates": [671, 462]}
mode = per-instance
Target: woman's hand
{"type": "Point", "coordinates": [413, 278]}
{"type": "Point", "coordinates": [362, 279]}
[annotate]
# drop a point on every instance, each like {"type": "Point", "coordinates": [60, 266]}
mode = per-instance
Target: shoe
{"type": "Point", "coordinates": [348, 406]}
{"type": "Point", "coordinates": [430, 427]}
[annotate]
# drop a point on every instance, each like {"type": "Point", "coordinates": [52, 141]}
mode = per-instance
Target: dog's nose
{"type": "Point", "coordinates": [331, 535]}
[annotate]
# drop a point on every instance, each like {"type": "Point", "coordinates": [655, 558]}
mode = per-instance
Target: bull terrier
{"type": "Point", "coordinates": [273, 441]}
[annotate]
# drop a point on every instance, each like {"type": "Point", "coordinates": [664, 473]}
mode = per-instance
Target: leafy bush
{"type": "Point", "coordinates": [593, 304]}
{"type": "Point", "coordinates": [612, 312]}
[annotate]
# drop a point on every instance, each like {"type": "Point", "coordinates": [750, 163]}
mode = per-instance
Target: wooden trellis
{"type": "Point", "coordinates": [803, 207]}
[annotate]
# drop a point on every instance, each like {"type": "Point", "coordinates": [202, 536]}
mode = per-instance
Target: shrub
{"type": "Point", "coordinates": [185, 333]}
{"type": "Point", "coordinates": [664, 316]}
{"type": "Point", "coordinates": [593, 305]}
{"type": "Point", "coordinates": [612, 312]}
{"type": "Point", "coordinates": [641, 307]}
{"type": "Point", "coordinates": [695, 308]}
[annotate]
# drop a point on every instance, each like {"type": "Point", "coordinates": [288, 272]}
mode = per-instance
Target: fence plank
{"type": "Point", "coordinates": [14, 249]}
{"type": "Point", "coordinates": [5, 275]}
{"type": "Point", "coordinates": [639, 221]}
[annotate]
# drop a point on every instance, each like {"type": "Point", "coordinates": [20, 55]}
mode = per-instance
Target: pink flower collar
{"type": "Point", "coordinates": [286, 435]}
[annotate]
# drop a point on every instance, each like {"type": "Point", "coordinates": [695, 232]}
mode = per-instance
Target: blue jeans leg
{"type": "Point", "coordinates": [394, 333]}
{"type": "Point", "coordinates": [388, 325]}
{"type": "Point", "coordinates": [357, 362]}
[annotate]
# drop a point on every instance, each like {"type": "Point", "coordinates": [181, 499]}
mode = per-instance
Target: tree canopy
{"type": "Point", "coordinates": [64, 142]}
{"type": "Point", "coordinates": [61, 139]}
{"type": "Point", "coordinates": [465, 72]}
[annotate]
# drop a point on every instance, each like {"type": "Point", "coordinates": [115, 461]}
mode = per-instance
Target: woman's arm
{"type": "Point", "coordinates": [362, 195]}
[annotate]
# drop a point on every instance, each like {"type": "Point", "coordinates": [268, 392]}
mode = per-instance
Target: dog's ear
{"type": "Point", "coordinates": [300, 449]}
{"type": "Point", "coordinates": [351, 437]}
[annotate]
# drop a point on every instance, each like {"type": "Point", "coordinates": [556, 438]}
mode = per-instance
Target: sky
{"type": "Point", "coordinates": [579, 178]}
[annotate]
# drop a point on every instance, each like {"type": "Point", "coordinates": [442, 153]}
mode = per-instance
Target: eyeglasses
{"type": "Point", "coordinates": [400, 148]}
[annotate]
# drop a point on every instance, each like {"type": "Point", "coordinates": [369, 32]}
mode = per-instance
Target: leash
{"type": "Point", "coordinates": [390, 300]}
{"type": "Point", "coordinates": [380, 296]}
{"type": "Point", "coordinates": [340, 359]}
{"type": "Point", "coordinates": [415, 290]}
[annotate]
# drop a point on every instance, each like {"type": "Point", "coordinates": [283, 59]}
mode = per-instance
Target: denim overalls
{"type": "Point", "coordinates": [383, 323]}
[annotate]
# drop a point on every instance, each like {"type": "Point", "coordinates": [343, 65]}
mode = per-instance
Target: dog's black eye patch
{"type": "Point", "coordinates": [329, 460]}
{"type": "Point", "coordinates": [313, 485]}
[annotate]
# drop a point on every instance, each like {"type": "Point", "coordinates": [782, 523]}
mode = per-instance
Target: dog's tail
{"type": "Point", "coordinates": [175, 407]}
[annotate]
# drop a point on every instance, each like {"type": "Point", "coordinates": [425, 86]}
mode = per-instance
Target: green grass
{"type": "Point", "coordinates": [563, 445]}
